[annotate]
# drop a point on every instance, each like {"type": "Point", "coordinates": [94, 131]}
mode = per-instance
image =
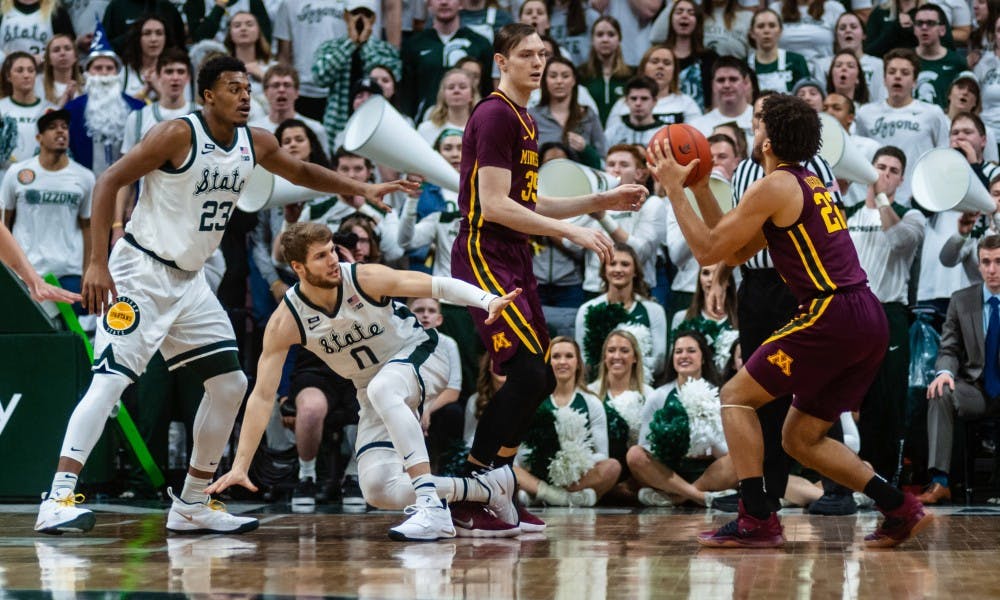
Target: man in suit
{"type": "Point", "coordinates": [968, 366]}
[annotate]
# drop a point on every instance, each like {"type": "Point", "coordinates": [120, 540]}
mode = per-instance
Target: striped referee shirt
{"type": "Point", "coordinates": [749, 171]}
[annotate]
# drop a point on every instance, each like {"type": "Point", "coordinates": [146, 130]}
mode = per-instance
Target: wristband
{"type": "Point", "coordinates": [881, 200]}
{"type": "Point", "coordinates": [608, 224]}
{"type": "Point", "coordinates": [461, 293]}
{"type": "Point", "coordinates": [117, 225]}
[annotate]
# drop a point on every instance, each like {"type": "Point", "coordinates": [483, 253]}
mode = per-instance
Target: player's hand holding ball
{"type": "Point", "coordinates": [679, 155]}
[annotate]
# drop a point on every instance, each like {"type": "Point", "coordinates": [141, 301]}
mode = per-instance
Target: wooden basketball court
{"type": "Point", "coordinates": [585, 554]}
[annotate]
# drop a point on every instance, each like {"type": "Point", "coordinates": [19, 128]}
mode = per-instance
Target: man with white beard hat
{"type": "Point", "coordinates": [100, 114]}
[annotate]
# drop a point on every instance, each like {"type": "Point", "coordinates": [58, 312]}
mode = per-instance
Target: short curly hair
{"type": "Point", "coordinates": [214, 68]}
{"type": "Point", "coordinates": [792, 126]}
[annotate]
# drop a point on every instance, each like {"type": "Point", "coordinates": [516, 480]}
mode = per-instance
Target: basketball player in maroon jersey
{"type": "Point", "coordinates": [826, 356]}
{"type": "Point", "coordinates": [501, 208]}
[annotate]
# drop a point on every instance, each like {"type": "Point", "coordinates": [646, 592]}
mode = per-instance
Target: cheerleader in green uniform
{"type": "Point", "coordinates": [564, 458]}
{"type": "Point", "coordinates": [681, 433]}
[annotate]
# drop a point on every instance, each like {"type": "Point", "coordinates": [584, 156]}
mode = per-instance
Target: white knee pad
{"type": "Point", "coordinates": [384, 483]}
{"type": "Point", "coordinates": [388, 393]}
{"type": "Point", "coordinates": [214, 422]}
{"type": "Point", "coordinates": [87, 421]}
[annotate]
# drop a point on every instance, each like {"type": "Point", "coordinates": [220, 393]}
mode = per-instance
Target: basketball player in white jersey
{"type": "Point", "coordinates": [345, 315]}
{"type": "Point", "coordinates": [153, 294]}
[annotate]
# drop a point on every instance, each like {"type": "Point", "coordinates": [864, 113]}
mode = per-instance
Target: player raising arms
{"type": "Point", "coordinates": [501, 208]}
{"type": "Point", "coordinates": [195, 168]}
{"type": "Point", "coordinates": [344, 314]}
{"type": "Point", "coordinates": [826, 356]}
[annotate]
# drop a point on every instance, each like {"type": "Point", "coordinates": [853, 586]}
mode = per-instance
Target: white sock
{"type": "Point", "coordinates": [552, 494]}
{"type": "Point", "coordinates": [194, 489]}
{"type": "Point", "coordinates": [461, 489]}
{"type": "Point", "coordinates": [307, 468]}
{"type": "Point", "coordinates": [423, 486]}
{"type": "Point", "coordinates": [64, 483]}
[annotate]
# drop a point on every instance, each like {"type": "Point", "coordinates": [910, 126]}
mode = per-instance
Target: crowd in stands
{"type": "Point", "coordinates": [646, 340]}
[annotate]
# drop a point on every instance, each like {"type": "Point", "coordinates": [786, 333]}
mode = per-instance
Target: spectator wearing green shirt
{"type": "Point", "coordinates": [777, 69]}
{"type": "Point", "coordinates": [427, 55]}
{"type": "Point", "coordinates": [605, 72]}
{"type": "Point", "coordinates": [340, 61]}
{"type": "Point", "coordinates": [938, 65]}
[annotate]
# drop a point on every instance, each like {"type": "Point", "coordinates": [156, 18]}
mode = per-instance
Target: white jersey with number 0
{"type": "Point", "coordinates": [362, 333]}
{"type": "Point", "coordinates": [182, 213]}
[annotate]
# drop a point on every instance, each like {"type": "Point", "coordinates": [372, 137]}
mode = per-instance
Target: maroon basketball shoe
{"type": "Point", "coordinates": [746, 531]}
{"type": "Point", "coordinates": [900, 524]}
{"type": "Point", "coordinates": [473, 519]}
{"type": "Point", "coordinates": [530, 523]}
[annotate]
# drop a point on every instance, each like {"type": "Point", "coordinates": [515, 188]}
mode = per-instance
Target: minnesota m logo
{"type": "Point", "coordinates": [500, 341]}
{"type": "Point", "coordinates": [782, 361]}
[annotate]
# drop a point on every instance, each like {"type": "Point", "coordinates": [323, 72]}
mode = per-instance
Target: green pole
{"type": "Point", "coordinates": [124, 419]}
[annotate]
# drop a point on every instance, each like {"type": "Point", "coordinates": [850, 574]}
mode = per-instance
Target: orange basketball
{"type": "Point", "coordinates": [687, 144]}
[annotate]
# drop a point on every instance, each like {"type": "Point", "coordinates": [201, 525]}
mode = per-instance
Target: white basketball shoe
{"type": "Point", "coordinates": [429, 520]}
{"type": "Point", "coordinates": [59, 514]}
{"type": "Point", "coordinates": [205, 517]}
{"type": "Point", "coordinates": [502, 485]}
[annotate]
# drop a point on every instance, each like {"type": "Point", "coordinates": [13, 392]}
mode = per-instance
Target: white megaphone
{"type": "Point", "coordinates": [266, 190]}
{"type": "Point", "coordinates": [722, 190]}
{"type": "Point", "coordinates": [847, 160]}
{"type": "Point", "coordinates": [944, 180]}
{"type": "Point", "coordinates": [378, 132]}
{"type": "Point", "coordinates": [564, 178]}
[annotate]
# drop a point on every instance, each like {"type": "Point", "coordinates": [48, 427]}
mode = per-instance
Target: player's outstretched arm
{"type": "Point", "coordinates": [272, 157]}
{"type": "Point", "coordinates": [737, 235]}
{"type": "Point", "coordinates": [380, 282]}
{"type": "Point", "coordinates": [166, 143]}
{"type": "Point", "coordinates": [497, 207]}
{"type": "Point", "coordinates": [624, 197]}
{"type": "Point", "coordinates": [280, 334]}
{"type": "Point", "coordinates": [12, 256]}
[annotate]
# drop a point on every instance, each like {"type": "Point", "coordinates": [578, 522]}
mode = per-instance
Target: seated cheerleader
{"type": "Point", "coordinates": [620, 387]}
{"type": "Point", "coordinates": [564, 457]}
{"type": "Point", "coordinates": [682, 431]}
{"type": "Point", "coordinates": [718, 326]}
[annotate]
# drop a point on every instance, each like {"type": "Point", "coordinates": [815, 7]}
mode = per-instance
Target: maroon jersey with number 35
{"type": "Point", "coordinates": [499, 134]}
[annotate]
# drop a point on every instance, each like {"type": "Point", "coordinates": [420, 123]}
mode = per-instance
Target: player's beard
{"type": "Point", "coordinates": [320, 281]}
{"type": "Point", "coordinates": [758, 152]}
{"type": "Point", "coordinates": [106, 110]}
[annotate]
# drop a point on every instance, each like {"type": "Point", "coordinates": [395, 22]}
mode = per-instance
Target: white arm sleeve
{"type": "Point", "coordinates": [461, 293]}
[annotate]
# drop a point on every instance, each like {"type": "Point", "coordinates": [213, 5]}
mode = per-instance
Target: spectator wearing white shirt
{"type": "Point", "coordinates": [659, 63]}
{"type": "Point", "coordinates": [457, 96]}
{"type": "Point", "coordinates": [731, 88]}
{"type": "Point", "coordinates": [281, 86]}
{"type": "Point", "coordinates": [638, 125]}
{"type": "Point", "coordinates": [850, 36]}
{"type": "Point", "coordinates": [901, 120]}
{"type": "Point", "coordinates": [808, 26]}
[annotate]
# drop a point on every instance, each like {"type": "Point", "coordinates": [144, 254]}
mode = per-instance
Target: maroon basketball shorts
{"type": "Point", "coordinates": [827, 356]}
{"type": "Point", "coordinates": [500, 267]}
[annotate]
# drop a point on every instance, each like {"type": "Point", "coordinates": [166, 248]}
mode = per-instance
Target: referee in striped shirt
{"type": "Point", "coordinates": [764, 304]}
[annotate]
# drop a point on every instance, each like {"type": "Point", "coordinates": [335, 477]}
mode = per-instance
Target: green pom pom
{"type": "Point", "coordinates": [617, 433]}
{"type": "Point", "coordinates": [542, 440]}
{"type": "Point", "coordinates": [669, 432]}
{"type": "Point", "coordinates": [600, 320]}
